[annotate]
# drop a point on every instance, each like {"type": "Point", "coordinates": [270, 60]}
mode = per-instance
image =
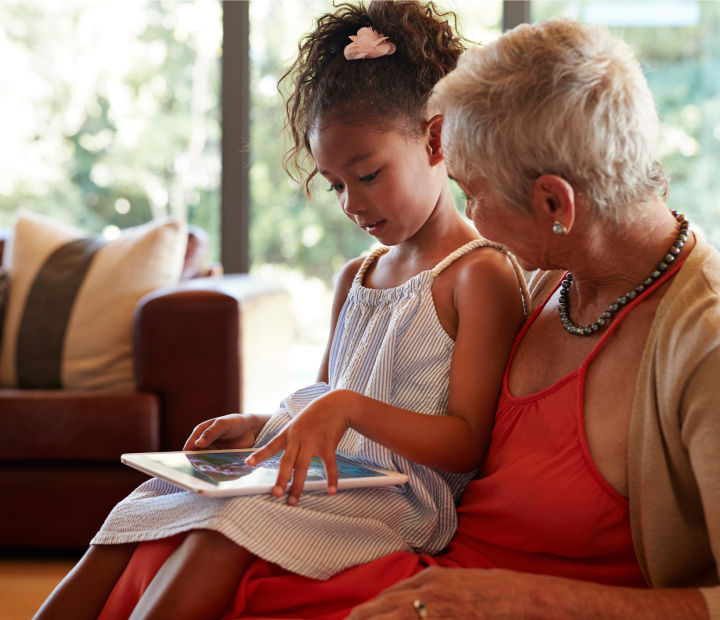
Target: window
{"type": "Point", "coordinates": [107, 127]}
{"type": "Point", "coordinates": [678, 44]}
{"type": "Point", "coordinates": [110, 112]}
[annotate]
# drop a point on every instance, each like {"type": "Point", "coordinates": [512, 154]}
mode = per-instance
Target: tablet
{"type": "Point", "coordinates": [222, 473]}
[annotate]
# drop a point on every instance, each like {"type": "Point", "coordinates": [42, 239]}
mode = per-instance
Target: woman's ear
{"type": "Point", "coordinates": [433, 134]}
{"type": "Point", "coordinates": [553, 200]}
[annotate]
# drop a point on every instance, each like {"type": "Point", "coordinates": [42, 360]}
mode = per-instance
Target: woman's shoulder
{"type": "Point", "coordinates": [686, 328]}
{"type": "Point", "coordinates": [706, 261]}
{"type": "Point", "coordinates": [694, 294]}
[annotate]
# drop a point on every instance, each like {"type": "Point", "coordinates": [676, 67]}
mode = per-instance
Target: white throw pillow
{"type": "Point", "coordinates": [72, 299]}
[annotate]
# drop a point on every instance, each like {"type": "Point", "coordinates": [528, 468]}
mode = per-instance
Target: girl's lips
{"type": "Point", "coordinates": [375, 228]}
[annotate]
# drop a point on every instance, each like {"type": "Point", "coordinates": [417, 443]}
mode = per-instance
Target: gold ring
{"type": "Point", "coordinates": [420, 608]}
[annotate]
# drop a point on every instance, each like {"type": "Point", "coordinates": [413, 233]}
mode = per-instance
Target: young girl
{"type": "Point", "coordinates": [421, 329]}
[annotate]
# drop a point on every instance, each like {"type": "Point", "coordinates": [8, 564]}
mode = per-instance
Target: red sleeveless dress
{"type": "Point", "coordinates": [540, 506]}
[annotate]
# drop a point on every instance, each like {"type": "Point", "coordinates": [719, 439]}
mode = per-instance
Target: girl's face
{"type": "Point", "coordinates": [385, 179]}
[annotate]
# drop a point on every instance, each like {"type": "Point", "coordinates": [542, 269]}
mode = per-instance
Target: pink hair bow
{"type": "Point", "coordinates": [368, 44]}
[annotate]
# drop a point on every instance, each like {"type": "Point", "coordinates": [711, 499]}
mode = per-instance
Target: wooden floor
{"type": "Point", "coordinates": [26, 582]}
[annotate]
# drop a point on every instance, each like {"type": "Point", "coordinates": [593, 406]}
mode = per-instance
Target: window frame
{"type": "Point", "coordinates": [235, 139]}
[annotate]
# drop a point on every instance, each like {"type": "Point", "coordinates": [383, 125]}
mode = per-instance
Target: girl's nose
{"type": "Point", "coordinates": [352, 204]}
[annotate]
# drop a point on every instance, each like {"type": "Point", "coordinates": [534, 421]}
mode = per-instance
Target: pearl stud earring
{"type": "Point", "coordinates": [559, 229]}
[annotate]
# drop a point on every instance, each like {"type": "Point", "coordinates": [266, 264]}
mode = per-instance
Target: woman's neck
{"type": "Point", "coordinates": [613, 260]}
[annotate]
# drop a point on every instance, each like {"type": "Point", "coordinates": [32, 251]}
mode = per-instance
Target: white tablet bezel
{"type": "Point", "coordinates": [144, 462]}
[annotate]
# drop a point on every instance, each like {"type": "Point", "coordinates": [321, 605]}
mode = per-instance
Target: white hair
{"type": "Point", "coordinates": [557, 97]}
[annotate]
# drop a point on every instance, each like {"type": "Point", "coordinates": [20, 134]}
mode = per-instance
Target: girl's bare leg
{"type": "Point", "coordinates": [197, 581]}
{"type": "Point", "coordinates": [84, 590]}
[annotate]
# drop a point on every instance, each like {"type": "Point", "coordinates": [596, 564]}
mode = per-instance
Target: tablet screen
{"type": "Point", "coordinates": [228, 469]}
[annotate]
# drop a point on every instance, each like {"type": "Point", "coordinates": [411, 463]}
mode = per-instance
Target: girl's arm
{"type": "Point", "coordinates": [239, 430]}
{"type": "Point", "coordinates": [489, 310]}
{"type": "Point", "coordinates": [342, 288]}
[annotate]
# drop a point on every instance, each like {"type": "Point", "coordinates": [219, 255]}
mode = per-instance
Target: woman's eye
{"type": "Point", "coordinates": [336, 187]}
{"type": "Point", "coordinates": [369, 177]}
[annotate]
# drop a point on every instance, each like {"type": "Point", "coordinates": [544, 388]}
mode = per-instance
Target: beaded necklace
{"type": "Point", "coordinates": [606, 317]}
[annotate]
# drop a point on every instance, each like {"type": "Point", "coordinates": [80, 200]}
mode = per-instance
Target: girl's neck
{"type": "Point", "coordinates": [443, 232]}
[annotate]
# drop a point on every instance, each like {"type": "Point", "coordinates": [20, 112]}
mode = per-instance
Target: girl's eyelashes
{"type": "Point", "coordinates": [369, 178]}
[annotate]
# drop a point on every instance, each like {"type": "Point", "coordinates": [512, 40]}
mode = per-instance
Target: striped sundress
{"type": "Point", "coordinates": [388, 345]}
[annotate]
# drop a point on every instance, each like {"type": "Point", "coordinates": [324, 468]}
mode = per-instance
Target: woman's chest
{"type": "Point", "coordinates": [604, 372]}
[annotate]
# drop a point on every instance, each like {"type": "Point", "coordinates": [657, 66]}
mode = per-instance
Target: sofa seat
{"type": "Point", "coordinates": [67, 425]}
{"type": "Point", "coordinates": [59, 463]}
{"type": "Point", "coordinates": [59, 504]}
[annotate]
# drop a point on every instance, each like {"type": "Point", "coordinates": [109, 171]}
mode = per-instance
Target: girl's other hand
{"type": "Point", "coordinates": [315, 432]}
{"type": "Point", "coordinates": [236, 430]}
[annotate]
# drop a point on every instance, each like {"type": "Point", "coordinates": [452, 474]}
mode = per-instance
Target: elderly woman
{"type": "Point", "coordinates": [605, 456]}
{"type": "Point", "coordinates": [603, 474]}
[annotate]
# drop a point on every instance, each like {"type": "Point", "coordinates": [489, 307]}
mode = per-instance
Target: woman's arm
{"type": "Point", "coordinates": [489, 311]}
{"type": "Point", "coordinates": [495, 593]}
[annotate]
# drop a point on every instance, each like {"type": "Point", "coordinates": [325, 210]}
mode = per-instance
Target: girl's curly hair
{"type": "Point", "coordinates": [392, 89]}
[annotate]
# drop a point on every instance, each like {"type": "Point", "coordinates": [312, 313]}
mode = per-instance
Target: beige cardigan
{"type": "Point", "coordinates": [674, 442]}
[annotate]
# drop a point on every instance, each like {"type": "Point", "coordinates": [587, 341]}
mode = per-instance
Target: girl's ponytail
{"type": "Point", "coordinates": [392, 89]}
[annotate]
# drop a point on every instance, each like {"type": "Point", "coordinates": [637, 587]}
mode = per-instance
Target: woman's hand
{"type": "Point", "coordinates": [495, 593]}
{"type": "Point", "coordinates": [236, 430]}
{"type": "Point", "coordinates": [448, 593]}
{"type": "Point", "coordinates": [315, 432]}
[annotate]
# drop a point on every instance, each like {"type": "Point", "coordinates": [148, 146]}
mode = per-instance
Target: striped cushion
{"type": "Point", "coordinates": [68, 321]}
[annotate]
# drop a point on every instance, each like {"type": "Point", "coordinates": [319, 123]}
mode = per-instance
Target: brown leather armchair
{"type": "Point", "coordinates": [188, 358]}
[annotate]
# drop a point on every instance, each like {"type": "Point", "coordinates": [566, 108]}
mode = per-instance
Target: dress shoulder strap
{"type": "Point", "coordinates": [369, 260]}
{"type": "Point", "coordinates": [484, 243]}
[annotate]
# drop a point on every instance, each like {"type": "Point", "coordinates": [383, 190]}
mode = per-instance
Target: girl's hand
{"type": "Point", "coordinates": [237, 430]}
{"type": "Point", "coordinates": [315, 432]}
